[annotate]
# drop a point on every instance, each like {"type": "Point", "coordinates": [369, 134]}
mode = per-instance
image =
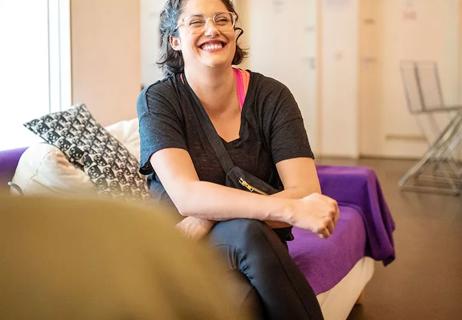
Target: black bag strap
{"type": "Point", "coordinates": [212, 134]}
{"type": "Point", "coordinates": [254, 184]}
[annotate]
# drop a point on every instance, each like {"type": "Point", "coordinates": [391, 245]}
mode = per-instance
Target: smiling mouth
{"type": "Point", "coordinates": [212, 46]}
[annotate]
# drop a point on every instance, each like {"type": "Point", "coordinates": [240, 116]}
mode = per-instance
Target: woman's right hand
{"type": "Point", "coordinates": [317, 213]}
{"type": "Point", "coordinates": [195, 228]}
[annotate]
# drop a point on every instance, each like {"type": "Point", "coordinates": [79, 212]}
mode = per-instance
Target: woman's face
{"type": "Point", "coordinates": [210, 44]}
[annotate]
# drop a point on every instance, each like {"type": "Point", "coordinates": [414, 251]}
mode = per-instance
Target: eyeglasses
{"type": "Point", "coordinates": [223, 21]}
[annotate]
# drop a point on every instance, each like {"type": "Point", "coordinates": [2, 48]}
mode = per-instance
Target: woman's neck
{"type": "Point", "coordinates": [213, 87]}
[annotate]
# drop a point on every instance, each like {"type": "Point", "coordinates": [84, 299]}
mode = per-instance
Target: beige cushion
{"type": "Point", "coordinates": [44, 169]}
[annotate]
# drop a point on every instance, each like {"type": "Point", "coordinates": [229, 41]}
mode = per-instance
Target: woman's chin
{"type": "Point", "coordinates": [215, 62]}
{"type": "Point", "coordinates": [215, 57]}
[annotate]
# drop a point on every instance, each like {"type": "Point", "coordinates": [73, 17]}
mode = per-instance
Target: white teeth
{"type": "Point", "coordinates": [212, 46]}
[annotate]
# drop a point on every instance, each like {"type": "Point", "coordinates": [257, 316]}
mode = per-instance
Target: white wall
{"type": "Point", "coordinates": [315, 55]}
{"type": "Point", "coordinates": [149, 15]}
{"type": "Point", "coordinates": [281, 38]}
{"type": "Point", "coordinates": [242, 7]}
{"type": "Point", "coordinates": [391, 31]}
{"type": "Point", "coordinates": [339, 86]}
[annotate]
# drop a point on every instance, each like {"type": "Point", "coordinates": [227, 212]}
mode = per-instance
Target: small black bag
{"type": "Point", "coordinates": [241, 179]}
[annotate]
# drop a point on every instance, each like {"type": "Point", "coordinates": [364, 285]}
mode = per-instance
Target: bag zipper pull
{"type": "Point", "coordinates": [249, 187]}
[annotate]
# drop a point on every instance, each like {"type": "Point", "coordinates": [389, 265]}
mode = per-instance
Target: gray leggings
{"type": "Point", "coordinates": [271, 285]}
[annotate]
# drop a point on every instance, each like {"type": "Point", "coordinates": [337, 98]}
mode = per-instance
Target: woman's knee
{"type": "Point", "coordinates": [236, 227]}
{"type": "Point", "coordinates": [241, 232]}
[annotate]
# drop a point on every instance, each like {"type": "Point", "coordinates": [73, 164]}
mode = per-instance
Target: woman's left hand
{"type": "Point", "coordinates": [195, 228]}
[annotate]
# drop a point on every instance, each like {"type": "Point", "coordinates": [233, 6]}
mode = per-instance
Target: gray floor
{"type": "Point", "coordinates": [425, 281]}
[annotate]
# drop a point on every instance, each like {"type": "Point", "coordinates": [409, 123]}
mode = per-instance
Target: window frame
{"type": "Point", "coordinates": [59, 55]}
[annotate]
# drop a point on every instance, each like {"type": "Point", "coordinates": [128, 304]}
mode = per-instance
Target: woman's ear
{"type": "Point", "coordinates": [175, 43]}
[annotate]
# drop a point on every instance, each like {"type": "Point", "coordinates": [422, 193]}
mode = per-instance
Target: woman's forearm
{"type": "Point", "coordinates": [211, 201]}
{"type": "Point", "coordinates": [292, 193]}
{"type": "Point", "coordinates": [215, 202]}
{"type": "Point", "coordinates": [296, 193]}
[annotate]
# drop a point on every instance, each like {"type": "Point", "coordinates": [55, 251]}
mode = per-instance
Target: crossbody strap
{"type": "Point", "coordinates": [212, 135]}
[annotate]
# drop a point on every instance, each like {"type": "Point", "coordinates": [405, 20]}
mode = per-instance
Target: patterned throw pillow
{"type": "Point", "coordinates": [110, 166]}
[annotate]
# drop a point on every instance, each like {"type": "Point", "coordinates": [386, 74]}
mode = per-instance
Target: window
{"type": "Point", "coordinates": [35, 65]}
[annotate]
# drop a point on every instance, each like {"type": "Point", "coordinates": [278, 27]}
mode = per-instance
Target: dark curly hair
{"type": "Point", "coordinates": [171, 61]}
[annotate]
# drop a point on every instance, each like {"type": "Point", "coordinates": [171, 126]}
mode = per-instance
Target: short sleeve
{"type": "Point", "coordinates": [160, 124]}
{"type": "Point", "coordinates": [288, 136]}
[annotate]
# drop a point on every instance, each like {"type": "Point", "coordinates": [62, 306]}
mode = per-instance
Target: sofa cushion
{"type": "Point", "coordinates": [43, 169]}
{"type": "Point", "coordinates": [109, 165]}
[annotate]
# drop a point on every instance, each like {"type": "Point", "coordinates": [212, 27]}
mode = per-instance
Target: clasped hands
{"type": "Point", "coordinates": [315, 212]}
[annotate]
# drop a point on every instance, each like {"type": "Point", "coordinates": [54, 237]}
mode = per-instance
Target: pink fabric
{"type": "Point", "coordinates": [242, 84]}
{"type": "Point", "coordinates": [246, 78]}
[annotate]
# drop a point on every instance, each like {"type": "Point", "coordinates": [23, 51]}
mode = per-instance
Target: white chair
{"type": "Point", "coordinates": [440, 169]}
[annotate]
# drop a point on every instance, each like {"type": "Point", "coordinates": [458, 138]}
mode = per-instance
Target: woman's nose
{"type": "Point", "coordinates": [210, 29]}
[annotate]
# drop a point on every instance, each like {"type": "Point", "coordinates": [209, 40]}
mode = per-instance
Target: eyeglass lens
{"type": "Point", "coordinates": [224, 21]}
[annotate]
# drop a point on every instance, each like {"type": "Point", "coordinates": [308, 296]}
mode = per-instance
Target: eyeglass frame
{"type": "Point", "coordinates": [232, 14]}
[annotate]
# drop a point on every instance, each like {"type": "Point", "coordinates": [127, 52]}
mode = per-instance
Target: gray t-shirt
{"type": "Point", "coordinates": [271, 130]}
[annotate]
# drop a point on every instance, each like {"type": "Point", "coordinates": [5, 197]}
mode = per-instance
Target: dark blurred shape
{"type": "Point", "coordinates": [93, 259]}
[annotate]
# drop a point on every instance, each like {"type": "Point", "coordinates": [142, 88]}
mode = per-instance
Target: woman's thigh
{"type": "Point", "coordinates": [252, 248]}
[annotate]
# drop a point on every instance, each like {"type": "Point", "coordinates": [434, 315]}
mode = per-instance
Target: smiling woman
{"type": "Point", "coordinates": [35, 51]}
{"type": "Point", "coordinates": [208, 120]}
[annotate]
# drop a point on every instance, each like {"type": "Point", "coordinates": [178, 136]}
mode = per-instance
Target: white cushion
{"type": "Point", "coordinates": [44, 169]}
{"type": "Point", "coordinates": [127, 133]}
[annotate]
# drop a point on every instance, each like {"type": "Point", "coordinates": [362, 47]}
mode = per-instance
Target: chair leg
{"type": "Point", "coordinates": [440, 154]}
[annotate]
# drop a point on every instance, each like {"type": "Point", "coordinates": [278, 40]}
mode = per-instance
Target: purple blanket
{"type": "Point", "coordinates": [364, 229]}
{"type": "Point", "coordinates": [359, 188]}
{"type": "Point", "coordinates": [324, 262]}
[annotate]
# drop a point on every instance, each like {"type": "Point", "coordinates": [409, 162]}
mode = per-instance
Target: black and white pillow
{"type": "Point", "coordinates": [89, 146]}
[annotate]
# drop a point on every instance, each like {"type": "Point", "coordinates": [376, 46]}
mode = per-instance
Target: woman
{"type": "Point", "coordinates": [262, 129]}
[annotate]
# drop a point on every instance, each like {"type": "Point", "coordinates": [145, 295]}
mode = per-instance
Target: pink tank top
{"type": "Point", "coordinates": [242, 84]}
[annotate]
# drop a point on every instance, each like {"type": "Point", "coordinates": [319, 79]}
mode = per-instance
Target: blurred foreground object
{"type": "Point", "coordinates": [440, 168]}
{"type": "Point", "coordinates": [93, 259]}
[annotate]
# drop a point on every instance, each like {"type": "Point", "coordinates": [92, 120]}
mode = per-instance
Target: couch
{"type": "Point", "coordinates": [338, 268]}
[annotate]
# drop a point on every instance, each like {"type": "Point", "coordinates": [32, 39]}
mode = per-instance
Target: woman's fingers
{"type": "Point", "coordinates": [328, 225]}
{"type": "Point", "coordinates": [331, 226]}
{"type": "Point", "coordinates": [324, 233]}
{"type": "Point", "coordinates": [337, 213]}
{"type": "Point", "coordinates": [317, 213]}
{"type": "Point", "coordinates": [327, 231]}
{"type": "Point", "coordinates": [194, 228]}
